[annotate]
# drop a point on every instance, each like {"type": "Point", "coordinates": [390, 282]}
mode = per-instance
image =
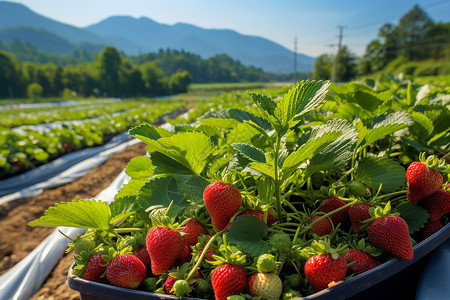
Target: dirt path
{"type": "Point", "coordinates": [14, 217]}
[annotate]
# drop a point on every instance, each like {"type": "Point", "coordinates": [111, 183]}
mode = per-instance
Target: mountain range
{"type": "Point", "coordinates": [141, 35]}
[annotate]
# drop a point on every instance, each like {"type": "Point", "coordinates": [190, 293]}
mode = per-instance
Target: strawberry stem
{"type": "Point", "coordinates": [276, 179]}
{"type": "Point", "coordinates": [310, 225]}
{"type": "Point", "coordinates": [197, 264]}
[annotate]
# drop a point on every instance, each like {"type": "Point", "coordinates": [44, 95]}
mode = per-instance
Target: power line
{"type": "Point", "coordinates": [336, 60]}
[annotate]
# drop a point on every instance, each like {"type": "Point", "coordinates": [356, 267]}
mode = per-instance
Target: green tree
{"type": "Point", "coordinates": [346, 65]}
{"type": "Point", "coordinates": [154, 78]}
{"type": "Point", "coordinates": [110, 63]}
{"type": "Point", "coordinates": [34, 90]}
{"type": "Point", "coordinates": [323, 67]}
{"type": "Point", "coordinates": [10, 76]}
{"type": "Point", "coordinates": [179, 82]}
{"type": "Point", "coordinates": [412, 30]}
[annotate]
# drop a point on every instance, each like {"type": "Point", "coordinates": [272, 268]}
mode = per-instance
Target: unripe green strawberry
{"type": "Point", "coordinates": [181, 288]}
{"type": "Point", "coordinates": [95, 267]}
{"type": "Point", "coordinates": [357, 188]}
{"type": "Point", "coordinates": [391, 234]}
{"type": "Point", "coordinates": [322, 269]}
{"type": "Point", "coordinates": [222, 201]}
{"type": "Point", "coordinates": [266, 263]}
{"type": "Point", "coordinates": [422, 181]}
{"type": "Point", "coordinates": [164, 246]}
{"type": "Point", "coordinates": [228, 280]}
{"type": "Point", "coordinates": [150, 284]}
{"type": "Point", "coordinates": [268, 286]}
{"type": "Point", "coordinates": [280, 242]}
{"type": "Point", "coordinates": [236, 297]}
{"type": "Point", "coordinates": [363, 261]}
{"type": "Point", "coordinates": [126, 271]}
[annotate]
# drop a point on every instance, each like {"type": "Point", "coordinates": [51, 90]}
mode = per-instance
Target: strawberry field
{"type": "Point", "coordinates": [276, 193]}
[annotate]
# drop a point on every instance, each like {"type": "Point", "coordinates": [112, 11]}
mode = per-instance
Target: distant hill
{"type": "Point", "coordinates": [134, 36]}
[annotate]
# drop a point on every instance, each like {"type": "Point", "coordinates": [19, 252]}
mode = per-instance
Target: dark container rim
{"type": "Point", "coordinates": [359, 287]}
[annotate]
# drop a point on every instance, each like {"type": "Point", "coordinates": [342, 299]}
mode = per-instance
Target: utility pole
{"type": "Point", "coordinates": [295, 61]}
{"type": "Point", "coordinates": [336, 61]}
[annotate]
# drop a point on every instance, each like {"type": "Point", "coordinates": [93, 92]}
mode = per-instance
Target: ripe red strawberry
{"type": "Point", "coordinates": [330, 204]}
{"type": "Point", "coordinates": [222, 200]}
{"type": "Point", "coordinates": [126, 271]}
{"type": "Point", "coordinates": [422, 181]}
{"type": "Point", "coordinates": [391, 234]}
{"type": "Point", "coordinates": [358, 213]}
{"type": "Point", "coordinates": [209, 254]}
{"type": "Point", "coordinates": [94, 268]}
{"type": "Point", "coordinates": [430, 228]}
{"type": "Point", "coordinates": [142, 253]}
{"type": "Point", "coordinates": [265, 285]}
{"type": "Point", "coordinates": [193, 230]}
{"type": "Point", "coordinates": [228, 280]}
{"type": "Point", "coordinates": [168, 284]}
{"type": "Point", "coordinates": [164, 246]}
{"type": "Point", "coordinates": [259, 214]}
{"type": "Point", "coordinates": [322, 227]}
{"type": "Point", "coordinates": [322, 269]}
{"type": "Point", "coordinates": [437, 204]}
{"type": "Point", "coordinates": [363, 261]}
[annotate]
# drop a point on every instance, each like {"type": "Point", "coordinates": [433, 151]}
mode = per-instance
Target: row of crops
{"type": "Point", "coordinates": [33, 136]}
{"type": "Point", "coordinates": [293, 164]}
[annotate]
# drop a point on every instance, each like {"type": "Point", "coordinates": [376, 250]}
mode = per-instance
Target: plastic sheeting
{"type": "Point", "coordinates": [25, 278]}
{"type": "Point", "coordinates": [62, 170]}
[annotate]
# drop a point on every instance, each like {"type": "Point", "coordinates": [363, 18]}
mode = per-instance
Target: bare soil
{"type": "Point", "coordinates": [18, 240]}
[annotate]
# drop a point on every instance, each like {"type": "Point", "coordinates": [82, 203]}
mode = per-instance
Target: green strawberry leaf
{"type": "Point", "coordinates": [78, 213]}
{"type": "Point", "coordinates": [219, 123]}
{"type": "Point", "coordinates": [140, 168]}
{"type": "Point", "coordinates": [162, 191]}
{"type": "Point", "coordinates": [414, 215]}
{"type": "Point", "coordinates": [149, 135]}
{"type": "Point", "coordinates": [243, 116]}
{"type": "Point", "coordinates": [192, 187]}
{"type": "Point", "coordinates": [376, 171]}
{"type": "Point", "coordinates": [130, 189]}
{"type": "Point", "coordinates": [250, 152]}
{"type": "Point", "coordinates": [191, 149]}
{"type": "Point", "coordinates": [337, 154]}
{"type": "Point", "coordinates": [248, 232]}
{"type": "Point", "coordinates": [384, 125]}
{"type": "Point", "coordinates": [123, 207]}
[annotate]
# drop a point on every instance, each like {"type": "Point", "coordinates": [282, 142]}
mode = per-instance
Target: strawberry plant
{"type": "Point", "coordinates": [265, 184]}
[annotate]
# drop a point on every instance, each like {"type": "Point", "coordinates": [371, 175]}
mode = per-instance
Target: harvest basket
{"type": "Point", "coordinates": [395, 279]}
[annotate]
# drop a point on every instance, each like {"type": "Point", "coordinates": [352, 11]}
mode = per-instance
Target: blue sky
{"type": "Point", "coordinates": [314, 23]}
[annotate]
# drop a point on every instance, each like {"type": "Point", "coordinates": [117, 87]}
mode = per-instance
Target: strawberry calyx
{"type": "Point", "coordinates": [378, 212]}
{"type": "Point", "coordinates": [81, 260]}
{"type": "Point", "coordinates": [323, 247]}
{"type": "Point", "coordinates": [365, 247]}
{"type": "Point", "coordinates": [434, 163]}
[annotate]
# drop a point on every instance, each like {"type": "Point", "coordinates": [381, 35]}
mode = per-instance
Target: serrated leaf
{"type": "Point", "coordinates": [367, 99]}
{"type": "Point", "coordinates": [219, 123]}
{"type": "Point", "coordinates": [250, 152]}
{"type": "Point", "coordinates": [140, 168]}
{"type": "Point", "coordinates": [149, 135]}
{"type": "Point", "coordinates": [265, 104]}
{"type": "Point", "coordinates": [423, 126]}
{"type": "Point", "coordinates": [385, 125]}
{"type": "Point", "coordinates": [90, 214]}
{"type": "Point", "coordinates": [243, 133]}
{"type": "Point", "coordinates": [320, 138]}
{"type": "Point", "coordinates": [414, 215]}
{"type": "Point", "coordinates": [422, 93]}
{"type": "Point", "coordinates": [264, 169]}
{"type": "Point", "coordinates": [191, 149]}
{"type": "Point", "coordinates": [162, 191]}
{"type": "Point", "coordinates": [130, 189]}
{"type": "Point", "coordinates": [123, 207]}
{"type": "Point", "coordinates": [337, 154]}
{"type": "Point", "coordinates": [248, 232]}
{"type": "Point", "coordinates": [376, 171]}
{"type": "Point", "coordinates": [192, 187]}
{"type": "Point", "coordinates": [243, 116]}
